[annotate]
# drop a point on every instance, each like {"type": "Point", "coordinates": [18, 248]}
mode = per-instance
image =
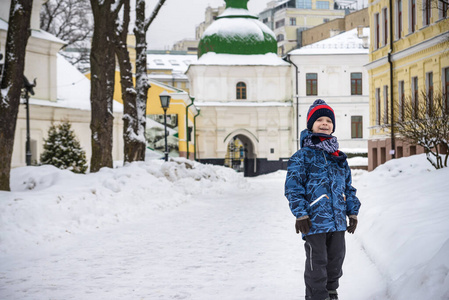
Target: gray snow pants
{"type": "Point", "coordinates": [325, 253]}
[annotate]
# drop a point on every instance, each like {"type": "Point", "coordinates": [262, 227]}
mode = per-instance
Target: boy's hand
{"type": "Point", "coordinates": [303, 225]}
{"type": "Point", "coordinates": [352, 224]}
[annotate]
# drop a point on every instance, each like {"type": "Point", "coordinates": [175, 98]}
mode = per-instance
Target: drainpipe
{"type": "Point", "coordinates": [390, 61]}
{"type": "Point", "coordinates": [287, 59]}
{"type": "Point", "coordinates": [187, 125]}
{"type": "Point", "coordinates": [194, 132]}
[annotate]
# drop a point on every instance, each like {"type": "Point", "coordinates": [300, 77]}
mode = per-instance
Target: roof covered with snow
{"type": "Point", "coordinates": [73, 89]}
{"type": "Point", "coordinates": [349, 42]}
{"type": "Point", "coordinates": [39, 34]}
{"type": "Point", "coordinates": [237, 31]}
{"type": "Point", "coordinates": [175, 62]}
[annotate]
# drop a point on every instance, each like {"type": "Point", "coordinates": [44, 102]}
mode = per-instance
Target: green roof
{"type": "Point", "coordinates": [237, 31]}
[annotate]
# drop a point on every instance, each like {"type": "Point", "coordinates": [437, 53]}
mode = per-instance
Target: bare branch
{"type": "Point", "coordinates": [154, 14]}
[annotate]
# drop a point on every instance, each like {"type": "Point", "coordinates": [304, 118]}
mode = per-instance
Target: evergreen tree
{"type": "Point", "coordinates": [63, 150]}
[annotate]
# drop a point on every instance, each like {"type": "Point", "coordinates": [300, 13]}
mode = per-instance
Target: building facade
{"type": "Point", "coordinates": [62, 93]}
{"type": "Point", "coordinates": [289, 18]}
{"type": "Point", "coordinates": [243, 91]}
{"type": "Point", "coordinates": [333, 70]}
{"type": "Point", "coordinates": [408, 56]}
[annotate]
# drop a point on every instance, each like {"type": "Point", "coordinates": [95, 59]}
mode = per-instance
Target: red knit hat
{"type": "Point", "coordinates": [318, 109]}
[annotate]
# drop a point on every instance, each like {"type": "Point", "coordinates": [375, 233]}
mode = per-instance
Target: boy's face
{"type": "Point", "coordinates": [323, 125]}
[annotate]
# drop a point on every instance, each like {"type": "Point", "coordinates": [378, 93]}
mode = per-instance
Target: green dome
{"type": "Point", "coordinates": [237, 31]}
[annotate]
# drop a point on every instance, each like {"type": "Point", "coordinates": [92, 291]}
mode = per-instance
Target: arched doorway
{"type": "Point", "coordinates": [240, 153]}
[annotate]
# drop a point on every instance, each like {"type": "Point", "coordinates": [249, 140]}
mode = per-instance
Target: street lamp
{"type": "Point", "coordinates": [28, 87]}
{"type": "Point", "coordinates": [165, 103]}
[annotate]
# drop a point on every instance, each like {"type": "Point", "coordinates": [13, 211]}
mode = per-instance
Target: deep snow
{"type": "Point", "coordinates": [183, 230]}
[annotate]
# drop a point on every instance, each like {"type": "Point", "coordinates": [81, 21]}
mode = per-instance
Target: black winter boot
{"type": "Point", "coordinates": [333, 295]}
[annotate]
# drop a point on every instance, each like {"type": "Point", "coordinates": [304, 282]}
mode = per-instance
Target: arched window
{"type": "Point", "coordinates": [241, 90]}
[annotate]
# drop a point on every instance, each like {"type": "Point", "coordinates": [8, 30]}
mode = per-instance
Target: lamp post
{"type": "Point", "coordinates": [28, 89]}
{"type": "Point", "coordinates": [165, 103]}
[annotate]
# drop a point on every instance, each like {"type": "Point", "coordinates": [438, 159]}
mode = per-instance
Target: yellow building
{"type": "Point", "coordinates": [408, 55]}
{"type": "Point", "coordinates": [181, 116]}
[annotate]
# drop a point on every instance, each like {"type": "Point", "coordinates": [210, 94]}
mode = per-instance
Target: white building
{"type": "Point", "coordinates": [333, 70]}
{"type": "Point", "coordinates": [62, 93]}
{"type": "Point", "coordinates": [244, 92]}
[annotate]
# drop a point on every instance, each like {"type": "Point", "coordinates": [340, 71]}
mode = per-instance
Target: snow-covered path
{"type": "Point", "coordinates": [238, 245]}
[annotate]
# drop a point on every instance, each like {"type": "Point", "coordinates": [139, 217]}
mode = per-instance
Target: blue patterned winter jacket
{"type": "Point", "coordinates": [318, 184]}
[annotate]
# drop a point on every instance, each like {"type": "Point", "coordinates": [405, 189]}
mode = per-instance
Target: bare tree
{"type": "Point", "coordinates": [425, 122]}
{"type": "Point", "coordinates": [11, 82]}
{"type": "Point", "coordinates": [72, 22]}
{"type": "Point", "coordinates": [135, 103]}
{"type": "Point", "coordinates": [102, 60]}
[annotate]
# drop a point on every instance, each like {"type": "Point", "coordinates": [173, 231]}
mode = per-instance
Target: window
{"type": "Point", "coordinates": [429, 92]}
{"type": "Point", "coordinates": [412, 16]}
{"type": "Point", "coordinates": [446, 88]}
{"type": "Point", "coordinates": [304, 4]}
{"type": "Point", "coordinates": [442, 9]}
{"type": "Point", "coordinates": [265, 20]}
{"type": "Point", "coordinates": [356, 127]}
{"type": "Point", "coordinates": [241, 90]}
{"type": "Point", "coordinates": [356, 83]}
{"type": "Point", "coordinates": [292, 21]}
{"type": "Point", "coordinates": [376, 31]}
{"type": "Point", "coordinates": [386, 104]}
{"type": "Point", "coordinates": [280, 23]}
{"type": "Point", "coordinates": [322, 5]}
{"type": "Point", "coordinates": [399, 19]}
{"type": "Point", "coordinates": [174, 62]}
{"type": "Point", "coordinates": [427, 12]}
{"type": "Point", "coordinates": [311, 84]}
{"type": "Point", "coordinates": [401, 94]}
{"type": "Point", "coordinates": [415, 96]}
{"type": "Point", "coordinates": [280, 38]}
{"type": "Point", "coordinates": [325, 20]}
{"type": "Point", "coordinates": [158, 62]}
{"type": "Point", "coordinates": [377, 106]}
{"type": "Point", "coordinates": [385, 26]}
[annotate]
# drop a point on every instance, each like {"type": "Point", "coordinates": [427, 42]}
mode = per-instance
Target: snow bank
{"type": "Point", "coordinates": [48, 204]}
{"type": "Point", "coordinates": [404, 227]}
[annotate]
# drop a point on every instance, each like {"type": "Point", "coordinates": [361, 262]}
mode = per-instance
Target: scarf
{"type": "Point", "coordinates": [325, 142]}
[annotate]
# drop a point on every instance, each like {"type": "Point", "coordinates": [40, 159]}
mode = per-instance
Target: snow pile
{"type": "Point", "coordinates": [404, 227]}
{"type": "Point", "coordinates": [205, 229]}
{"type": "Point", "coordinates": [47, 204]}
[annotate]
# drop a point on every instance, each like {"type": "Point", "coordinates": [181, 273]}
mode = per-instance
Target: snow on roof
{"type": "Point", "coordinates": [344, 43]}
{"type": "Point", "coordinates": [73, 89]}
{"type": "Point", "coordinates": [36, 33]}
{"type": "Point", "coordinates": [177, 63]}
{"type": "Point", "coordinates": [43, 35]}
{"type": "Point", "coordinates": [238, 27]}
{"type": "Point", "coordinates": [3, 25]}
{"type": "Point", "coordinates": [269, 59]}
{"type": "Point", "coordinates": [231, 11]}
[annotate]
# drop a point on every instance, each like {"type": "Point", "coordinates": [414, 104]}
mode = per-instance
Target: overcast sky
{"type": "Point", "coordinates": [178, 19]}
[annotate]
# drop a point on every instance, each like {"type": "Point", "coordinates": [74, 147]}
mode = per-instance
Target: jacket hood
{"type": "Point", "coordinates": [305, 133]}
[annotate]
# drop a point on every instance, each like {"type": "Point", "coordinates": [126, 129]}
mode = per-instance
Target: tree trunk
{"type": "Point", "coordinates": [102, 62]}
{"type": "Point", "coordinates": [12, 82]}
{"type": "Point", "coordinates": [133, 129]}
{"type": "Point", "coordinates": [142, 84]}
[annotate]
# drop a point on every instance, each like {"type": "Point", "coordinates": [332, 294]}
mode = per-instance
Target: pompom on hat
{"type": "Point", "coordinates": [318, 109]}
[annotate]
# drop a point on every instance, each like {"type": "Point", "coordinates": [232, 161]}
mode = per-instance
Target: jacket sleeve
{"type": "Point", "coordinates": [295, 188]}
{"type": "Point", "coordinates": [352, 202]}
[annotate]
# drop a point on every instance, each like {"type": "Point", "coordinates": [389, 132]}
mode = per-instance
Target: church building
{"type": "Point", "coordinates": [244, 93]}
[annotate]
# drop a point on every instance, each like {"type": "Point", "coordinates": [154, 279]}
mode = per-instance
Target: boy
{"type": "Point", "coordinates": [318, 188]}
